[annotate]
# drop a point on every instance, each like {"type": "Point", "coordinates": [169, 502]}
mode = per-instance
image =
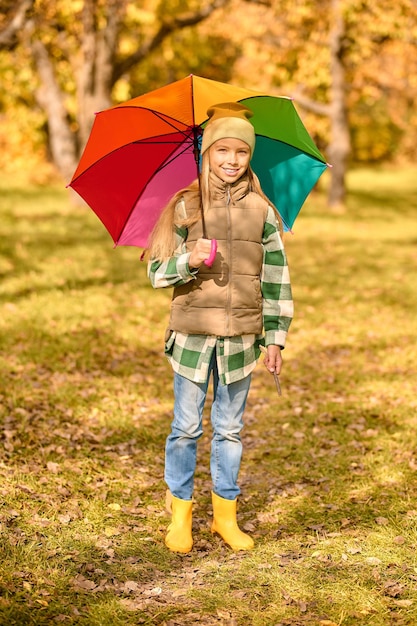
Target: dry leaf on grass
{"type": "Point", "coordinates": [52, 467]}
{"type": "Point", "coordinates": [156, 591]}
{"type": "Point", "coordinates": [393, 589]}
{"type": "Point", "coordinates": [133, 604]}
{"type": "Point", "coordinates": [178, 593]}
{"type": "Point", "coordinates": [403, 603]}
{"type": "Point", "coordinates": [130, 586]}
{"type": "Point", "coordinates": [80, 582]}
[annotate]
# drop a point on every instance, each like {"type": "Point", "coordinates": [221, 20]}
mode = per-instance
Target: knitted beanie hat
{"type": "Point", "coordinates": [229, 119]}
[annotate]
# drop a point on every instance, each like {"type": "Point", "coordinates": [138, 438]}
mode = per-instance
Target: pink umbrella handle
{"type": "Point", "coordinates": [209, 262]}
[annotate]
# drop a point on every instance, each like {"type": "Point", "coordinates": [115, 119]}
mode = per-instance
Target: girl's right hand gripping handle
{"type": "Point", "coordinates": [209, 262]}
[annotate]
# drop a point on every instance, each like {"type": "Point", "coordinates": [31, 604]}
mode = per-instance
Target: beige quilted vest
{"type": "Point", "coordinates": [225, 300]}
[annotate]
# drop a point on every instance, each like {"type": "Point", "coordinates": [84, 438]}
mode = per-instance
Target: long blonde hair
{"type": "Point", "coordinates": [162, 238]}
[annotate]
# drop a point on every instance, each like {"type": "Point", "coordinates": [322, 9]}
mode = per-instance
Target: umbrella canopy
{"type": "Point", "coordinates": [141, 152]}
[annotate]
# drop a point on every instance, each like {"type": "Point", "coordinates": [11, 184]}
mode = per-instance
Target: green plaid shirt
{"type": "Point", "coordinates": [190, 355]}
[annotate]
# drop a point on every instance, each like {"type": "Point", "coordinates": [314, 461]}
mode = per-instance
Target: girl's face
{"type": "Point", "coordinates": [229, 159]}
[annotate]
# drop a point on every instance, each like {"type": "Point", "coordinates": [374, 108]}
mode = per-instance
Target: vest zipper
{"type": "Point", "coordinates": [229, 246]}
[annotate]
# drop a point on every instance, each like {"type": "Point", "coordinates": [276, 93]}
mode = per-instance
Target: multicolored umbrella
{"type": "Point", "coordinates": [141, 152]}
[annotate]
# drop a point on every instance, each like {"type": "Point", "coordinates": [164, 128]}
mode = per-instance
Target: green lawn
{"type": "Point", "coordinates": [329, 476]}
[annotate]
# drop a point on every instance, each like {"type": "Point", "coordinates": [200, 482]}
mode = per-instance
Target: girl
{"type": "Point", "coordinates": [218, 314]}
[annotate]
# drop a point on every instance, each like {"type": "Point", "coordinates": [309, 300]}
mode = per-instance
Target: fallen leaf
{"type": "Point", "coordinates": [156, 591]}
{"type": "Point", "coordinates": [84, 583]}
{"type": "Point", "coordinates": [131, 604]}
{"type": "Point", "coordinates": [223, 614]}
{"type": "Point", "coordinates": [103, 542]}
{"type": "Point", "coordinates": [399, 540]}
{"type": "Point", "coordinates": [267, 518]}
{"type": "Point", "coordinates": [130, 585]}
{"type": "Point", "coordinates": [298, 435]}
{"type": "Point", "coordinates": [393, 589]}
{"type": "Point", "coordinates": [52, 467]}
{"type": "Point", "coordinates": [403, 603]}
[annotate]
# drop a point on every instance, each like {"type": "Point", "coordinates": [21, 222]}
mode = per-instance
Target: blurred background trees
{"type": "Point", "coordinates": [351, 66]}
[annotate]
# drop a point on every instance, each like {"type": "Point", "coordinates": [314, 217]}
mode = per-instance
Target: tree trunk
{"type": "Point", "coordinates": [95, 69]}
{"type": "Point", "coordinates": [9, 35]}
{"type": "Point", "coordinates": [339, 148]}
{"type": "Point", "coordinates": [62, 142]}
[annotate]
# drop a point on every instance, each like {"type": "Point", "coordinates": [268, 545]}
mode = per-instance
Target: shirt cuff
{"type": "Point", "coordinates": [183, 267]}
{"type": "Point", "coordinates": [276, 338]}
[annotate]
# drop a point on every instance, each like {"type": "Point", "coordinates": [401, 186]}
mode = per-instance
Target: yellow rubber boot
{"type": "Point", "coordinates": [225, 524]}
{"type": "Point", "coordinates": [179, 538]}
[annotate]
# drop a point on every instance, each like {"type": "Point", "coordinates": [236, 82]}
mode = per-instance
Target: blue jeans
{"type": "Point", "coordinates": [229, 403]}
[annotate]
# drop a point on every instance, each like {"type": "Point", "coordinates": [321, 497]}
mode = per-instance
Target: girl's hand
{"type": "Point", "coordinates": [200, 253]}
{"type": "Point", "coordinates": [273, 359]}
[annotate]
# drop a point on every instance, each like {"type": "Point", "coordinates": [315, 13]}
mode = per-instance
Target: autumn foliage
{"type": "Point", "coordinates": [350, 66]}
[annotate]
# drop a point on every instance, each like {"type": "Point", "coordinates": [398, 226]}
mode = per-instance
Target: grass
{"type": "Point", "coordinates": [329, 471]}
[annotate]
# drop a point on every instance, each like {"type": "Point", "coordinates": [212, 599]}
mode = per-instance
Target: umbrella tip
{"type": "Point", "coordinates": [329, 165]}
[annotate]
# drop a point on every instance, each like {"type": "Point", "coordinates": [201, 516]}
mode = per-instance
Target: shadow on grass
{"type": "Point", "coordinates": [25, 262]}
